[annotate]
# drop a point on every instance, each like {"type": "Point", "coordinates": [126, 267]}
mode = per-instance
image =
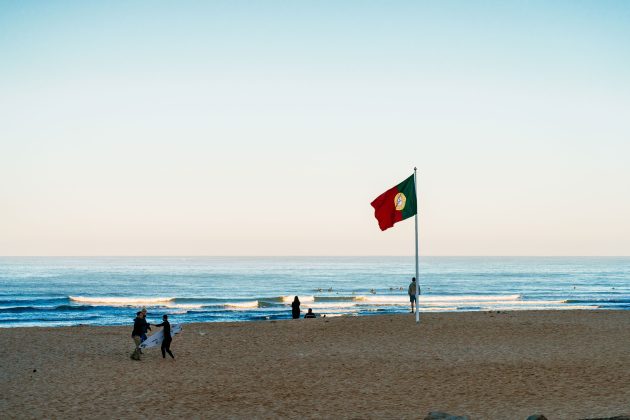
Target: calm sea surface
{"type": "Point", "coordinates": [55, 291]}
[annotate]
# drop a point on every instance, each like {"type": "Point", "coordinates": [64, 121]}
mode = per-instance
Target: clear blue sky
{"type": "Point", "coordinates": [267, 128]}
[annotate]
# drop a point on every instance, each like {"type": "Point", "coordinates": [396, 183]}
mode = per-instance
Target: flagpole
{"type": "Point", "coordinates": [415, 186]}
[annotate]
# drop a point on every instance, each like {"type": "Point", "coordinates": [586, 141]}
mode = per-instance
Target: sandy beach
{"type": "Point", "coordinates": [508, 365]}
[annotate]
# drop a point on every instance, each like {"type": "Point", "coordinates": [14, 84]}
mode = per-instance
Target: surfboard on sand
{"type": "Point", "coordinates": [157, 338]}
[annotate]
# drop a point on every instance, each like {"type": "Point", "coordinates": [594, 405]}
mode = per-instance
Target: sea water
{"type": "Point", "coordinates": [56, 291]}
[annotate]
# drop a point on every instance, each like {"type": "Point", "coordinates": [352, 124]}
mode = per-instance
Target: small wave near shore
{"type": "Point", "coordinates": [116, 310]}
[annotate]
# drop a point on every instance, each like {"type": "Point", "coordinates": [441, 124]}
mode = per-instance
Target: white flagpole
{"type": "Point", "coordinates": [415, 186]}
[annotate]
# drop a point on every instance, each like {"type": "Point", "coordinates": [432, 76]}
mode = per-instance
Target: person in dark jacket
{"type": "Point", "coordinates": [295, 308]}
{"type": "Point", "coordinates": [166, 342]}
{"type": "Point", "coordinates": [146, 327]}
{"type": "Point", "coordinates": [136, 334]}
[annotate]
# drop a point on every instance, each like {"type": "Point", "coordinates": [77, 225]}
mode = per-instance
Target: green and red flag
{"type": "Point", "coordinates": [396, 204]}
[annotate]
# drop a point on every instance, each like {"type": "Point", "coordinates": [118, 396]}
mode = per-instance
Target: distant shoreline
{"type": "Point", "coordinates": [319, 316]}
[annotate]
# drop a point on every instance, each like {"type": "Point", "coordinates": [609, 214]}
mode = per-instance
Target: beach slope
{"type": "Point", "coordinates": [508, 365]}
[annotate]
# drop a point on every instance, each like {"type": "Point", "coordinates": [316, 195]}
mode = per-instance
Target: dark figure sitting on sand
{"type": "Point", "coordinates": [310, 314]}
{"type": "Point", "coordinates": [166, 342]}
{"type": "Point", "coordinates": [295, 308]}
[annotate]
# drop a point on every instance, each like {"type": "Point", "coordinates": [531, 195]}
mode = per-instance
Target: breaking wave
{"type": "Point", "coordinates": [121, 301]}
{"type": "Point", "coordinates": [242, 305]}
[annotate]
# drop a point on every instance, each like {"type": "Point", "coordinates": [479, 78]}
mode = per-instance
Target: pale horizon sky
{"type": "Point", "coordinates": [267, 128]}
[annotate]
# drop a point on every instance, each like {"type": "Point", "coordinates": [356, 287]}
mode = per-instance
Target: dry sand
{"type": "Point", "coordinates": [565, 364]}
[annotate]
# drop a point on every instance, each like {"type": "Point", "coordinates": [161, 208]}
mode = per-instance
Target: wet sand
{"type": "Point", "coordinates": [508, 365]}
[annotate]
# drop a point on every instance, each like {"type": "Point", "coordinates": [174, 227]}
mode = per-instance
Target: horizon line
{"type": "Point", "coordinates": [315, 256]}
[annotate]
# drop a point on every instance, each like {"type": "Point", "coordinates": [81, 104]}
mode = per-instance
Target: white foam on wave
{"type": "Point", "coordinates": [331, 305]}
{"type": "Point", "coordinates": [395, 300]}
{"type": "Point", "coordinates": [242, 305]}
{"type": "Point", "coordinates": [121, 301]}
{"type": "Point", "coordinates": [382, 299]}
{"type": "Point", "coordinates": [520, 302]}
{"type": "Point", "coordinates": [474, 298]}
{"type": "Point", "coordinates": [289, 299]}
{"type": "Point", "coordinates": [548, 308]}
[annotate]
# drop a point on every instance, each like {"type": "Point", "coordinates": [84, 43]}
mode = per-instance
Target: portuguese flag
{"type": "Point", "coordinates": [396, 204]}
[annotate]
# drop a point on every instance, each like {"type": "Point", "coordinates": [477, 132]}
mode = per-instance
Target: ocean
{"type": "Point", "coordinates": [61, 291]}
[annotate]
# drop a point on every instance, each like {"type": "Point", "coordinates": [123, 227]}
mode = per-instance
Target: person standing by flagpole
{"type": "Point", "coordinates": [397, 204]}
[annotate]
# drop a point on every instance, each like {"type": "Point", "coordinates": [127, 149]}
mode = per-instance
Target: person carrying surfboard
{"type": "Point", "coordinates": [136, 334]}
{"type": "Point", "coordinates": [146, 327]}
{"type": "Point", "coordinates": [166, 342]}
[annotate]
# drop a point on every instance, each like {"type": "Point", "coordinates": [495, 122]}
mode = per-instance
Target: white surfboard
{"type": "Point", "coordinates": [157, 338]}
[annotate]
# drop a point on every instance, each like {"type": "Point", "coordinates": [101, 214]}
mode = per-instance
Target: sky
{"type": "Point", "coordinates": [267, 128]}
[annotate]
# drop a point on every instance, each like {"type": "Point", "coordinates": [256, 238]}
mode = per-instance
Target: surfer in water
{"type": "Point", "coordinates": [295, 308]}
{"type": "Point", "coordinates": [166, 343]}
